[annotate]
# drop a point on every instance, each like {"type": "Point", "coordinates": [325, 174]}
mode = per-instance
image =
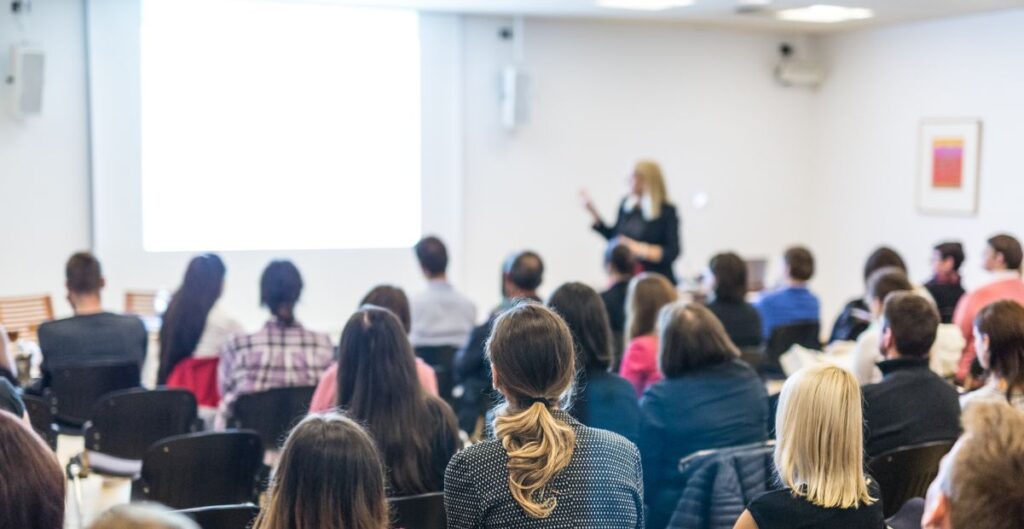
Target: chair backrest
{"type": "Point", "coordinates": [442, 359]}
{"type": "Point", "coordinates": [126, 423]}
{"type": "Point", "coordinates": [24, 314]}
{"type": "Point", "coordinates": [40, 414]}
{"type": "Point", "coordinates": [805, 334]}
{"type": "Point", "coordinates": [909, 515]}
{"type": "Point", "coordinates": [272, 413]}
{"type": "Point", "coordinates": [140, 302]}
{"type": "Point", "coordinates": [906, 472]}
{"type": "Point", "coordinates": [74, 391]}
{"type": "Point", "coordinates": [424, 511]}
{"type": "Point", "coordinates": [201, 469]}
{"type": "Point", "coordinates": [223, 516]}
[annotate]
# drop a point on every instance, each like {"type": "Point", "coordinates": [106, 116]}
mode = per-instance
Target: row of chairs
{"type": "Point", "coordinates": [22, 315]}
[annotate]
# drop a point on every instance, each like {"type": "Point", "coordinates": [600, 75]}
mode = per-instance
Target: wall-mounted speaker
{"type": "Point", "coordinates": [26, 80]}
{"type": "Point", "coordinates": [513, 97]}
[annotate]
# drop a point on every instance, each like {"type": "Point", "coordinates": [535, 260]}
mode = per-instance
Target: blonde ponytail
{"type": "Point", "coordinates": [539, 446]}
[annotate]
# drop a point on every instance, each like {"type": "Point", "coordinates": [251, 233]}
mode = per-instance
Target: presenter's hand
{"type": "Point", "coordinates": [588, 205]}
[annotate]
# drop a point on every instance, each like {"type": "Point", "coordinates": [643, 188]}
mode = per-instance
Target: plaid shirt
{"type": "Point", "coordinates": [273, 357]}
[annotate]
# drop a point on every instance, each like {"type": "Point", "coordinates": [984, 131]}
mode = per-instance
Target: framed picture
{"type": "Point", "coordinates": [947, 180]}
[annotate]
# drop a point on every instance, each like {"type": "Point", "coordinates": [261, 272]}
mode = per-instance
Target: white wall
{"type": "Point", "coordinates": [44, 212]}
{"type": "Point", "coordinates": [701, 102]}
{"type": "Point", "coordinates": [883, 82]}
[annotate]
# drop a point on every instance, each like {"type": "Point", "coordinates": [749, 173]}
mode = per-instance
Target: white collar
{"type": "Point", "coordinates": [646, 205]}
{"type": "Point", "coordinates": [1003, 275]}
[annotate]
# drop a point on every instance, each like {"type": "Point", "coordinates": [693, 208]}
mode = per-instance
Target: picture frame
{"type": "Point", "coordinates": [949, 153]}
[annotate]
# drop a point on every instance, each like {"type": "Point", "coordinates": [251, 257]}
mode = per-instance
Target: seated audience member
{"type": "Point", "coordinates": [648, 293]}
{"type": "Point", "coordinates": [603, 399]}
{"type": "Point", "coordinates": [393, 299]}
{"type": "Point", "coordinates": [978, 485]}
{"type": "Point", "coordinates": [329, 477]}
{"type": "Point", "coordinates": [8, 367]}
{"type": "Point", "coordinates": [911, 405]}
{"type": "Point", "coordinates": [440, 315]}
{"type": "Point", "coordinates": [521, 276]}
{"type": "Point", "coordinates": [819, 458]}
{"type": "Point", "coordinates": [1002, 259]}
{"type": "Point", "coordinates": [857, 315]}
{"type": "Point", "coordinates": [793, 303]}
{"type": "Point", "coordinates": [194, 329]}
{"type": "Point", "coordinates": [32, 487]}
{"type": "Point", "coordinates": [999, 341]}
{"type": "Point", "coordinates": [92, 337]}
{"type": "Point", "coordinates": [142, 516]}
{"type": "Point", "coordinates": [728, 300]}
{"type": "Point", "coordinates": [281, 354]}
{"type": "Point", "coordinates": [377, 385]}
{"type": "Point", "coordinates": [944, 285]}
{"type": "Point", "coordinates": [708, 399]}
{"type": "Point", "coordinates": [10, 400]}
{"type": "Point", "coordinates": [620, 266]}
{"type": "Point", "coordinates": [544, 469]}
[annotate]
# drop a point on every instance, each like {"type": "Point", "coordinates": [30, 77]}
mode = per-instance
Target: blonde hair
{"type": "Point", "coordinates": [649, 172]}
{"type": "Point", "coordinates": [142, 516]}
{"type": "Point", "coordinates": [532, 354]}
{"type": "Point", "coordinates": [819, 425]}
{"type": "Point", "coordinates": [648, 292]}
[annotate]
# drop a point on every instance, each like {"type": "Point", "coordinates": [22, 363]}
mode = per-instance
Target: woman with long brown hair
{"type": "Point", "coordinates": [544, 469]}
{"type": "Point", "coordinates": [32, 482]}
{"type": "Point", "coordinates": [329, 477]}
{"type": "Point", "coordinates": [648, 293]}
{"type": "Point", "coordinates": [377, 386]}
{"type": "Point", "coordinates": [999, 341]}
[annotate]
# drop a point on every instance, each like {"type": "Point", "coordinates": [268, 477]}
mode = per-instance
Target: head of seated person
{"type": "Point", "coordinates": [84, 281]}
{"type": "Point", "coordinates": [142, 516]}
{"type": "Point", "coordinates": [583, 311]}
{"type": "Point", "coordinates": [393, 299]}
{"type": "Point", "coordinates": [329, 476]}
{"type": "Point", "coordinates": [1002, 253]}
{"type": "Point", "coordinates": [522, 275]}
{"type": "Point", "coordinates": [999, 340]}
{"type": "Point", "coordinates": [883, 257]}
{"type": "Point", "coordinates": [798, 263]}
{"type": "Point", "coordinates": [881, 284]}
{"type": "Point", "coordinates": [619, 263]}
{"type": "Point", "coordinates": [280, 288]}
{"type": "Point", "coordinates": [691, 338]}
{"type": "Point", "coordinates": [728, 275]}
{"type": "Point", "coordinates": [947, 258]}
{"type": "Point", "coordinates": [433, 257]}
{"type": "Point", "coordinates": [184, 320]}
{"type": "Point", "coordinates": [978, 485]}
{"type": "Point", "coordinates": [32, 494]}
{"type": "Point", "coordinates": [909, 326]}
{"type": "Point", "coordinates": [648, 293]}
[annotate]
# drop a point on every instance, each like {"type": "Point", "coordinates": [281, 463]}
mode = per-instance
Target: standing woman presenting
{"type": "Point", "coordinates": [647, 223]}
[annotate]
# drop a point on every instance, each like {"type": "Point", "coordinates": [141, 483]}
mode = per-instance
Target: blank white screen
{"type": "Point", "coordinates": [274, 125]}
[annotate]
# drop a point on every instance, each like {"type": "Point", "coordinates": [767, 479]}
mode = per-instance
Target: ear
{"type": "Point", "coordinates": [886, 339]}
{"type": "Point", "coordinates": [936, 513]}
{"type": "Point", "coordinates": [103, 282]}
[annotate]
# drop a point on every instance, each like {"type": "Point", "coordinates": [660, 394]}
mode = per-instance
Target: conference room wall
{"type": "Point", "coordinates": [44, 204]}
{"type": "Point", "coordinates": [867, 118]}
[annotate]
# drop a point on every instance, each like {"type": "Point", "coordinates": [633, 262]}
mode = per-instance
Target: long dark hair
{"type": "Point", "coordinates": [378, 386]}
{"type": "Point", "coordinates": [583, 311]}
{"type": "Point", "coordinates": [186, 314]}
{"type": "Point", "coordinates": [329, 477]}
{"type": "Point", "coordinates": [280, 288]}
{"type": "Point", "coordinates": [1003, 323]}
{"type": "Point", "coordinates": [32, 488]}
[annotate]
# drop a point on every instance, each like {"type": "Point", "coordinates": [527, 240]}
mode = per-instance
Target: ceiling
{"type": "Point", "coordinates": [719, 13]}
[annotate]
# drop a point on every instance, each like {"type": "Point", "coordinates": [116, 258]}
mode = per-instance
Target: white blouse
{"type": "Point", "coordinates": [219, 327]}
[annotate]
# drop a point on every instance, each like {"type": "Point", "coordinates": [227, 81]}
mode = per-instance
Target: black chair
{"type": "Point", "coordinates": [753, 355]}
{"type": "Point", "coordinates": [223, 516]}
{"type": "Point", "coordinates": [201, 469]}
{"type": "Point", "coordinates": [424, 511]}
{"type": "Point", "coordinates": [906, 472]}
{"type": "Point", "coordinates": [41, 415]}
{"type": "Point", "coordinates": [442, 359]}
{"type": "Point", "coordinates": [272, 413]}
{"type": "Point", "coordinates": [805, 334]}
{"type": "Point", "coordinates": [73, 391]}
{"type": "Point", "coordinates": [909, 515]}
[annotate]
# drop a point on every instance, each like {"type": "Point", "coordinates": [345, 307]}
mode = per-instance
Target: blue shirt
{"type": "Point", "coordinates": [787, 306]}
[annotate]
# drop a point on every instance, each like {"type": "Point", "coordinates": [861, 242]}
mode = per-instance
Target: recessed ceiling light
{"type": "Point", "coordinates": [643, 5]}
{"type": "Point", "coordinates": [824, 14]}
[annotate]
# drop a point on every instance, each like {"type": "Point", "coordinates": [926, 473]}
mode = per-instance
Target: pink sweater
{"type": "Point", "coordinates": [326, 395]}
{"type": "Point", "coordinates": [640, 363]}
{"type": "Point", "coordinates": [972, 303]}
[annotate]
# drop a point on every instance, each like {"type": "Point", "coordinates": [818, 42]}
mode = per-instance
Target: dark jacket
{"type": "Point", "coordinates": [715, 407]}
{"type": "Point", "coordinates": [911, 405]}
{"type": "Point", "coordinates": [607, 401]}
{"type": "Point", "coordinates": [852, 321]}
{"type": "Point", "coordinates": [741, 320]}
{"type": "Point", "coordinates": [662, 231]}
{"type": "Point", "coordinates": [946, 295]}
{"type": "Point", "coordinates": [102, 339]}
{"type": "Point", "coordinates": [615, 305]}
{"type": "Point", "coordinates": [473, 372]}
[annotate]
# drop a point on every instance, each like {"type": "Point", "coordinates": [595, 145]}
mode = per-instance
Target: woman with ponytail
{"type": "Point", "coordinates": [281, 354]}
{"type": "Point", "coordinates": [544, 469]}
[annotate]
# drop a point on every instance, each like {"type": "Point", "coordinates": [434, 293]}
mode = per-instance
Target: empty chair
{"type": "Point", "coordinates": [24, 314]}
{"type": "Point", "coordinates": [442, 359]}
{"type": "Point", "coordinates": [201, 469]}
{"type": "Point", "coordinates": [272, 413]}
{"type": "Point", "coordinates": [806, 334]}
{"type": "Point", "coordinates": [238, 516]}
{"type": "Point", "coordinates": [423, 511]}
{"type": "Point", "coordinates": [906, 472]}
{"type": "Point", "coordinates": [141, 303]}
{"type": "Point", "coordinates": [73, 391]}
{"type": "Point", "coordinates": [41, 416]}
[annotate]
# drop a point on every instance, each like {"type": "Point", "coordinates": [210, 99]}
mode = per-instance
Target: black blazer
{"type": "Point", "coordinates": [662, 231]}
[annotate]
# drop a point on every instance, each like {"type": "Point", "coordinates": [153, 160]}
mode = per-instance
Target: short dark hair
{"type": "Point", "coordinates": [83, 273]}
{"type": "Point", "coordinates": [432, 255]}
{"type": "Point", "coordinates": [800, 262]}
{"type": "Point", "coordinates": [730, 272]}
{"type": "Point", "coordinates": [885, 281]}
{"type": "Point", "coordinates": [883, 257]}
{"type": "Point", "coordinates": [618, 257]}
{"type": "Point", "coordinates": [525, 269]}
{"type": "Point", "coordinates": [951, 250]}
{"type": "Point", "coordinates": [1009, 246]}
{"type": "Point", "coordinates": [280, 288]}
{"type": "Point", "coordinates": [393, 299]}
{"type": "Point", "coordinates": [691, 337]}
{"type": "Point", "coordinates": [914, 322]}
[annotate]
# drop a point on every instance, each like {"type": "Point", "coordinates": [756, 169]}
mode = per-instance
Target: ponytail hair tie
{"type": "Point", "coordinates": [535, 400]}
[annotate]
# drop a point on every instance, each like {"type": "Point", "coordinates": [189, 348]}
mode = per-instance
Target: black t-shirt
{"type": "Point", "coordinates": [780, 509]}
{"type": "Point", "coordinates": [9, 399]}
{"type": "Point", "coordinates": [741, 320]}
